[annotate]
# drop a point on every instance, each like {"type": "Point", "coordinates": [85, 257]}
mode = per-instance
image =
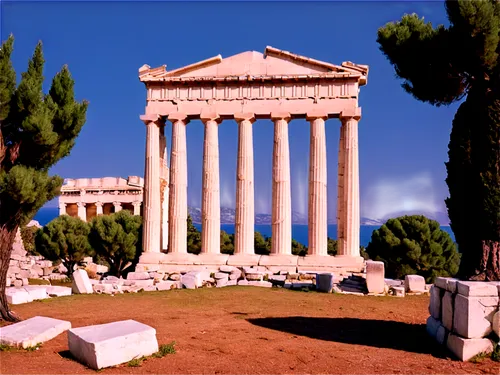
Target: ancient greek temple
{"type": "Point", "coordinates": [246, 87]}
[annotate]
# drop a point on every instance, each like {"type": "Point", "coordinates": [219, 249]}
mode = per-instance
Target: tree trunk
{"type": "Point", "coordinates": [7, 237]}
{"type": "Point", "coordinates": [489, 267]}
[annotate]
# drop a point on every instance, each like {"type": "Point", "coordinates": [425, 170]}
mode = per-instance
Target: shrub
{"type": "Point", "coordinates": [116, 239]}
{"type": "Point", "coordinates": [414, 245]}
{"type": "Point", "coordinates": [28, 236]}
{"type": "Point", "coordinates": [65, 238]}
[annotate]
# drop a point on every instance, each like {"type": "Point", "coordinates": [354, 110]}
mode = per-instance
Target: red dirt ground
{"type": "Point", "coordinates": [251, 330]}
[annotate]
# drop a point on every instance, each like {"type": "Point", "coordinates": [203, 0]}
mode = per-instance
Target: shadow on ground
{"type": "Point", "coordinates": [376, 333]}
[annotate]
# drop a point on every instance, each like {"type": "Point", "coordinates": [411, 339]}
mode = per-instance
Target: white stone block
{"type": "Point", "coordinates": [138, 276]}
{"type": "Point", "coordinates": [375, 277]}
{"type": "Point", "coordinates": [442, 335]}
{"type": "Point", "coordinates": [111, 344]}
{"type": "Point", "coordinates": [435, 302]}
{"type": "Point", "coordinates": [432, 326]}
{"type": "Point", "coordinates": [166, 285]}
{"type": "Point", "coordinates": [221, 275]}
{"type": "Point", "coordinates": [16, 296]}
{"type": "Point", "coordinates": [81, 282]}
{"type": "Point", "coordinates": [58, 291]}
{"type": "Point", "coordinates": [398, 291]}
{"type": "Point", "coordinates": [447, 310]}
{"type": "Point", "coordinates": [414, 284]}
{"type": "Point", "coordinates": [235, 275]}
{"type": "Point", "coordinates": [473, 316]}
{"type": "Point", "coordinates": [221, 282]}
{"type": "Point", "coordinates": [37, 291]}
{"type": "Point", "coordinates": [33, 331]}
{"type": "Point", "coordinates": [8, 282]}
{"type": "Point", "coordinates": [253, 276]}
{"type": "Point", "coordinates": [232, 282]}
{"type": "Point", "coordinates": [265, 284]}
{"type": "Point", "coordinates": [227, 269]}
{"type": "Point", "coordinates": [465, 349]}
{"type": "Point", "coordinates": [103, 288]}
{"type": "Point", "coordinates": [477, 289]}
{"type": "Point", "coordinates": [189, 281]}
{"type": "Point", "coordinates": [144, 283]}
{"type": "Point", "coordinates": [243, 282]}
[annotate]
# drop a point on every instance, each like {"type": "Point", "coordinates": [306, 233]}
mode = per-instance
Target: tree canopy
{"type": "Point", "coordinates": [443, 65]}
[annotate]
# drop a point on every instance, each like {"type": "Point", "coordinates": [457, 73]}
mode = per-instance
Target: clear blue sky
{"type": "Point", "coordinates": [402, 142]}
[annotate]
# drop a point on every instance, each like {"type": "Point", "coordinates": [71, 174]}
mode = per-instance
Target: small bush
{"type": "Point", "coordinates": [28, 236]}
{"type": "Point", "coordinates": [165, 349]}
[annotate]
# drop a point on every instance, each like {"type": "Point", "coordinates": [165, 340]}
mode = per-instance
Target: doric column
{"type": "Point", "coordinates": [341, 250]}
{"type": "Point", "coordinates": [62, 208]}
{"type": "Point", "coordinates": [82, 212]}
{"type": "Point", "coordinates": [282, 204]}
{"type": "Point", "coordinates": [317, 210]}
{"type": "Point", "coordinates": [350, 209]}
{"type": "Point", "coordinates": [152, 208]}
{"type": "Point", "coordinates": [137, 208]}
{"type": "Point", "coordinates": [118, 206]}
{"type": "Point", "coordinates": [164, 178]}
{"type": "Point", "coordinates": [178, 211]}
{"type": "Point", "coordinates": [245, 212]}
{"type": "Point", "coordinates": [98, 206]}
{"type": "Point", "coordinates": [210, 206]}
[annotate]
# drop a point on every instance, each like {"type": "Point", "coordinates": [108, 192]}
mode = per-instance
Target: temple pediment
{"type": "Point", "coordinates": [255, 65]}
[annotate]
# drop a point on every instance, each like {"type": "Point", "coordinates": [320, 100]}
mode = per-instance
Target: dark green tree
{"type": "Point", "coordinates": [226, 243]}
{"type": "Point", "coordinates": [116, 240]}
{"type": "Point", "coordinates": [66, 239]}
{"type": "Point", "coordinates": [36, 131]}
{"type": "Point", "coordinates": [414, 245]}
{"type": "Point", "coordinates": [332, 247]}
{"type": "Point", "coordinates": [193, 237]}
{"type": "Point", "coordinates": [262, 244]}
{"type": "Point", "coordinates": [443, 65]}
{"type": "Point", "coordinates": [28, 236]}
{"type": "Point", "coordinates": [298, 248]}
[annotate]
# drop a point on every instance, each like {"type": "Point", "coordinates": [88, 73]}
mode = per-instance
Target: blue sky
{"type": "Point", "coordinates": [402, 142]}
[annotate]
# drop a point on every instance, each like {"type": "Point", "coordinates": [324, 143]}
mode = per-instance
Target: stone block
{"type": "Point", "coordinates": [81, 283]}
{"type": "Point", "coordinates": [18, 283]}
{"type": "Point", "coordinates": [8, 281]}
{"type": "Point", "coordinates": [243, 282]}
{"type": "Point", "coordinates": [432, 326]}
{"type": "Point", "coordinates": [33, 331]}
{"type": "Point", "coordinates": [222, 282]}
{"type": "Point", "coordinates": [111, 344]}
{"type": "Point", "coordinates": [435, 302]}
{"type": "Point", "coordinates": [58, 291]}
{"type": "Point", "coordinates": [398, 291]}
{"type": "Point", "coordinates": [174, 277]}
{"type": "Point", "coordinates": [144, 283]}
{"type": "Point", "coordinates": [150, 288]}
{"type": "Point", "coordinates": [447, 310]}
{"type": "Point", "coordinates": [375, 277]}
{"type": "Point", "coordinates": [392, 282]}
{"type": "Point", "coordinates": [495, 324]}
{"type": "Point", "coordinates": [138, 276]}
{"type": "Point", "coordinates": [25, 282]}
{"type": "Point", "coordinates": [253, 276]}
{"type": "Point", "coordinates": [189, 281]}
{"type": "Point", "coordinates": [166, 285]}
{"type": "Point", "coordinates": [16, 296]}
{"type": "Point", "coordinates": [227, 269]}
{"type": "Point", "coordinates": [465, 349]}
{"type": "Point", "coordinates": [477, 289]}
{"type": "Point", "coordinates": [37, 291]}
{"type": "Point", "coordinates": [442, 335]}
{"type": "Point", "coordinates": [235, 275]}
{"type": "Point", "coordinates": [13, 271]}
{"type": "Point", "coordinates": [473, 316]}
{"type": "Point", "coordinates": [414, 284]}
{"type": "Point", "coordinates": [103, 288]}
{"type": "Point", "coordinates": [232, 282]}
{"type": "Point", "coordinates": [264, 284]}
{"type": "Point", "coordinates": [221, 276]}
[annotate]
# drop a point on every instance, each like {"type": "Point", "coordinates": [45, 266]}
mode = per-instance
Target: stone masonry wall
{"type": "Point", "coordinates": [464, 316]}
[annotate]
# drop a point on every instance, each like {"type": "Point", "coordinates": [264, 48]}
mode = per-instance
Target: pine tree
{"type": "Point", "coordinates": [414, 245]}
{"type": "Point", "coordinates": [65, 238]}
{"type": "Point", "coordinates": [36, 131]}
{"type": "Point", "coordinates": [116, 240]}
{"type": "Point", "coordinates": [443, 65]}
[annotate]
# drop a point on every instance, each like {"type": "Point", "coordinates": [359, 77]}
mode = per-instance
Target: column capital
{"type": "Point", "coordinates": [316, 114]}
{"type": "Point", "coordinates": [151, 119]}
{"type": "Point", "coordinates": [117, 204]}
{"type": "Point", "coordinates": [350, 113]}
{"type": "Point", "coordinates": [136, 203]}
{"type": "Point", "coordinates": [280, 116]}
{"type": "Point", "coordinates": [242, 116]}
{"type": "Point", "coordinates": [178, 116]}
{"type": "Point", "coordinates": [98, 204]}
{"type": "Point", "coordinates": [208, 115]}
{"type": "Point", "coordinates": [81, 204]}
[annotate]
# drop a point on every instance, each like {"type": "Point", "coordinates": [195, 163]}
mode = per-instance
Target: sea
{"type": "Point", "coordinates": [299, 232]}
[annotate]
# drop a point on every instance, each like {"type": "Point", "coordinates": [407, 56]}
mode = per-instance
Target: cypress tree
{"type": "Point", "coordinates": [36, 131]}
{"type": "Point", "coordinates": [441, 66]}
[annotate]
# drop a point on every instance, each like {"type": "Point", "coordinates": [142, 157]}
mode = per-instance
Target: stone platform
{"type": "Point", "coordinates": [462, 315]}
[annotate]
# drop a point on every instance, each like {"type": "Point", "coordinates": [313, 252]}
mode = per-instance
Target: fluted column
{"type": "Point", "coordinates": [178, 210]}
{"type": "Point", "coordinates": [164, 178]}
{"type": "Point", "coordinates": [210, 209]}
{"type": "Point", "coordinates": [62, 208]}
{"type": "Point", "coordinates": [151, 215]}
{"type": "Point", "coordinates": [317, 202]}
{"type": "Point", "coordinates": [341, 249]}
{"type": "Point", "coordinates": [118, 206]}
{"type": "Point", "coordinates": [98, 206]}
{"type": "Point", "coordinates": [245, 208]}
{"type": "Point", "coordinates": [137, 208]}
{"type": "Point", "coordinates": [282, 204]}
{"type": "Point", "coordinates": [82, 212]}
{"type": "Point", "coordinates": [351, 182]}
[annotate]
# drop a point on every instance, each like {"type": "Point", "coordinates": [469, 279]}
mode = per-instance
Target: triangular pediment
{"type": "Point", "coordinates": [273, 62]}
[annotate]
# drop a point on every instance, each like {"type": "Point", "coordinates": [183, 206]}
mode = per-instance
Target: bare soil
{"type": "Point", "coordinates": [251, 330]}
